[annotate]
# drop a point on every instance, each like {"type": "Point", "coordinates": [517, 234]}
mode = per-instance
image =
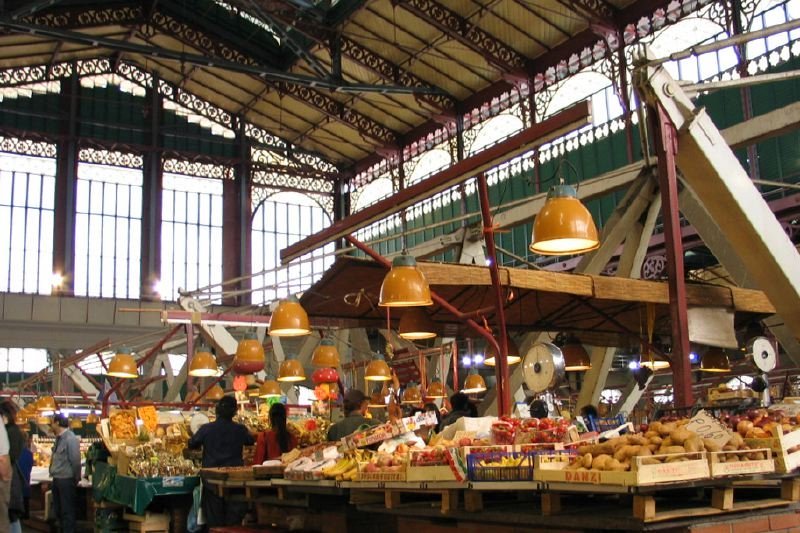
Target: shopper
{"type": "Point", "coordinates": [355, 407]}
{"type": "Point", "coordinates": [222, 442]}
{"type": "Point", "coordinates": [16, 441]}
{"type": "Point", "coordinates": [65, 469]}
{"type": "Point", "coordinates": [277, 440]}
{"type": "Point", "coordinates": [459, 406]}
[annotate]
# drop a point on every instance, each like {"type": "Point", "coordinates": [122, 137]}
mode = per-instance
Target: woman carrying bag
{"type": "Point", "coordinates": [16, 440]}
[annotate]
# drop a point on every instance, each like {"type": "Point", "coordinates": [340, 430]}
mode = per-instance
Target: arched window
{"type": "Point", "coordinates": [280, 220]}
{"type": "Point", "coordinates": [688, 33]}
{"type": "Point", "coordinates": [495, 130]}
{"type": "Point", "coordinates": [376, 190]}
{"type": "Point", "coordinates": [593, 85]}
{"type": "Point", "coordinates": [429, 163]}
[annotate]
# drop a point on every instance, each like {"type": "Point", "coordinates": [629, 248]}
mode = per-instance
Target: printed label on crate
{"type": "Point", "coordinates": [708, 427]}
{"type": "Point", "coordinates": [733, 468]}
{"type": "Point", "coordinates": [172, 481]}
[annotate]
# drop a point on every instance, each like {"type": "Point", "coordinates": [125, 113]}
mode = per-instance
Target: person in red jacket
{"type": "Point", "coordinates": [271, 444]}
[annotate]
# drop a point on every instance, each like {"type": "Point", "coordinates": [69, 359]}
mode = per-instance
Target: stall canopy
{"type": "Point", "coordinates": [606, 309]}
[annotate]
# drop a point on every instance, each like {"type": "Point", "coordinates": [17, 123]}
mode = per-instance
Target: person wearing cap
{"type": "Point", "coordinates": [222, 441]}
{"type": "Point", "coordinates": [65, 469]}
{"type": "Point", "coordinates": [355, 407]}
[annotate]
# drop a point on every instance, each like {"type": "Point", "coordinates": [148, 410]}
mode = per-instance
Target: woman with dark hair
{"type": "Point", "coordinates": [16, 440]}
{"type": "Point", "coordinates": [277, 440]}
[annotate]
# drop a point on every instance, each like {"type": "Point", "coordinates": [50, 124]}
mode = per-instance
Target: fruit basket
{"type": "Point", "coordinates": [500, 466]}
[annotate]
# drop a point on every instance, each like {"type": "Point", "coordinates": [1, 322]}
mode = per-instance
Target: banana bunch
{"type": "Point", "coordinates": [350, 475]}
{"type": "Point", "coordinates": [505, 462]}
{"type": "Point", "coordinates": [342, 465]}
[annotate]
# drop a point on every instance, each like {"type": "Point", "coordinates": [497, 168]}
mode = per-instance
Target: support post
{"type": "Point", "coordinates": [501, 366]}
{"type": "Point", "coordinates": [666, 146]}
{"type": "Point", "coordinates": [66, 181]}
{"type": "Point", "coordinates": [236, 222]}
{"type": "Point", "coordinates": [152, 188]}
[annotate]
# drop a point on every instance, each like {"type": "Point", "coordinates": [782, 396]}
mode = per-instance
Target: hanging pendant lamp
{"type": "Point", "coordinates": [654, 364]}
{"type": "Point", "coordinates": [377, 399]}
{"type": "Point", "coordinates": [378, 370]}
{"type": "Point", "coordinates": [203, 364]}
{"type": "Point", "coordinates": [715, 360]}
{"type": "Point", "coordinates": [249, 355]}
{"type": "Point", "coordinates": [564, 226]}
{"type": "Point", "coordinates": [411, 394]}
{"type": "Point", "coordinates": [291, 370]}
{"type": "Point", "coordinates": [214, 393]}
{"type": "Point", "coordinates": [123, 365]}
{"type": "Point", "coordinates": [576, 358]}
{"type": "Point", "coordinates": [512, 358]}
{"type": "Point", "coordinates": [405, 285]}
{"type": "Point", "coordinates": [289, 319]}
{"type": "Point", "coordinates": [474, 383]}
{"type": "Point", "coordinates": [270, 389]}
{"type": "Point", "coordinates": [325, 355]}
{"type": "Point", "coordinates": [46, 403]}
{"type": "Point", "coordinates": [436, 389]}
{"type": "Point", "coordinates": [415, 324]}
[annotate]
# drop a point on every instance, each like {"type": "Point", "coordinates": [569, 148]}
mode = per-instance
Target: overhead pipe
{"type": "Point", "coordinates": [441, 302]}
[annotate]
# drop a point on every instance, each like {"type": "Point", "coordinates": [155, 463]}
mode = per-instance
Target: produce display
{"type": "Point", "coordinates": [123, 425]}
{"type": "Point", "coordinates": [309, 431]}
{"type": "Point", "coordinates": [663, 442]}
{"type": "Point", "coordinates": [508, 430]}
{"type": "Point", "coordinates": [761, 423]}
{"type": "Point", "coordinates": [153, 460]}
{"type": "Point", "coordinates": [149, 418]}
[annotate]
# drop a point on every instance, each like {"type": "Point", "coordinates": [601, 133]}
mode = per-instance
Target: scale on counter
{"type": "Point", "coordinates": [543, 367]}
{"type": "Point", "coordinates": [761, 352]}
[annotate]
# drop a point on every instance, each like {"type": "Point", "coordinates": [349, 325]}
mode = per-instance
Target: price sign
{"type": "Point", "coordinates": [708, 427]}
{"type": "Point", "coordinates": [172, 481]}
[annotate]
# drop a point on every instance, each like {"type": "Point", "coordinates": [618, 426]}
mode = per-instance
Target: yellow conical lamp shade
{"type": "Point", "coordinates": [564, 226]}
{"type": "Point", "coordinates": [576, 358]}
{"type": "Point", "coordinates": [325, 355]}
{"type": "Point", "coordinates": [411, 395]}
{"type": "Point", "coordinates": [474, 383]}
{"type": "Point", "coordinates": [249, 355]}
{"type": "Point", "coordinates": [270, 389]}
{"type": "Point", "coordinates": [123, 365]}
{"type": "Point", "coordinates": [203, 364]}
{"type": "Point", "coordinates": [214, 393]}
{"type": "Point", "coordinates": [404, 285]}
{"type": "Point", "coordinates": [415, 324]}
{"type": "Point", "coordinates": [291, 370]}
{"type": "Point", "coordinates": [289, 319]}
{"type": "Point", "coordinates": [655, 364]}
{"type": "Point", "coordinates": [46, 403]}
{"type": "Point", "coordinates": [715, 360]}
{"type": "Point", "coordinates": [378, 370]}
{"type": "Point", "coordinates": [513, 353]}
{"type": "Point", "coordinates": [436, 389]}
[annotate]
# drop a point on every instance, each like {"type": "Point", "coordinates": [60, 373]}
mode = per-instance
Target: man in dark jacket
{"type": "Point", "coordinates": [459, 406]}
{"type": "Point", "coordinates": [65, 469]}
{"type": "Point", "coordinates": [354, 405]}
{"type": "Point", "coordinates": [222, 442]}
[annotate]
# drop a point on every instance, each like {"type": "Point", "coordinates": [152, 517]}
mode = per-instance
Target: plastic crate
{"type": "Point", "coordinates": [482, 472]}
{"type": "Point", "coordinates": [605, 424]}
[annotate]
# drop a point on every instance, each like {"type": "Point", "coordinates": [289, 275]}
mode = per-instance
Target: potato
{"type": "Point", "coordinates": [677, 459]}
{"type": "Point", "coordinates": [587, 460]}
{"type": "Point", "coordinates": [653, 447]}
{"type": "Point", "coordinates": [604, 448]}
{"type": "Point", "coordinates": [615, 466]}
{"type": "Point", "coordinates": [736, 440]}
{"type": "Point", "coordinates": [655, 427]}
{"type": "Point", "coordinates": [599, 462]}
{"type": "Point", "coordinates": [666, 442]}
{"type": "Point", "coordinates": [624, 452]}
{"type": "Point", "coordinates": [574, 465]}
{"type": "Point", "coordinates": [667, 428]}
{"type": "Point", "coordinates": [650, 434]}
{"type": "Point", "coordinates": [656, 440]}
{"type": "Point", "coordinates": [586, 448]}
{"type": "Point", "coordinates": [693, 444]}
{"type": "Point", "coordinates": [679, 436]}
{"type": "Point", "coordinates": [649, 461]}
{"type": "Point", "coordinates": [711, 445]}
{"type": "Point", "coordinates": [638, 440]}
{"type": "Point", "coordinates": [672, 449]}
{"type": "Point", "coordinates": [643, 451]}
{"type": "Point", "coordinates": [729, 448]}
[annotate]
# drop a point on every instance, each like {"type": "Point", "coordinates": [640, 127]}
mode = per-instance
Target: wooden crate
{"type": "Point", "coordinates": [720, 468]}
{"type": "Point", "coordinates": [149, 523]}
{"type": "Point", "coordinates": [786, 449]}
{"type": "Point", "coordinates": [379, 476]}
{"type": "Point", "coordinates": [552, 468]}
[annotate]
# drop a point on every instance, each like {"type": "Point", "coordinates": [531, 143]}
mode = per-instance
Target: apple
{"type": "Point", "coordinates": [465, 441]}
{"type": "Point", "coordinates": [744, 426]}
